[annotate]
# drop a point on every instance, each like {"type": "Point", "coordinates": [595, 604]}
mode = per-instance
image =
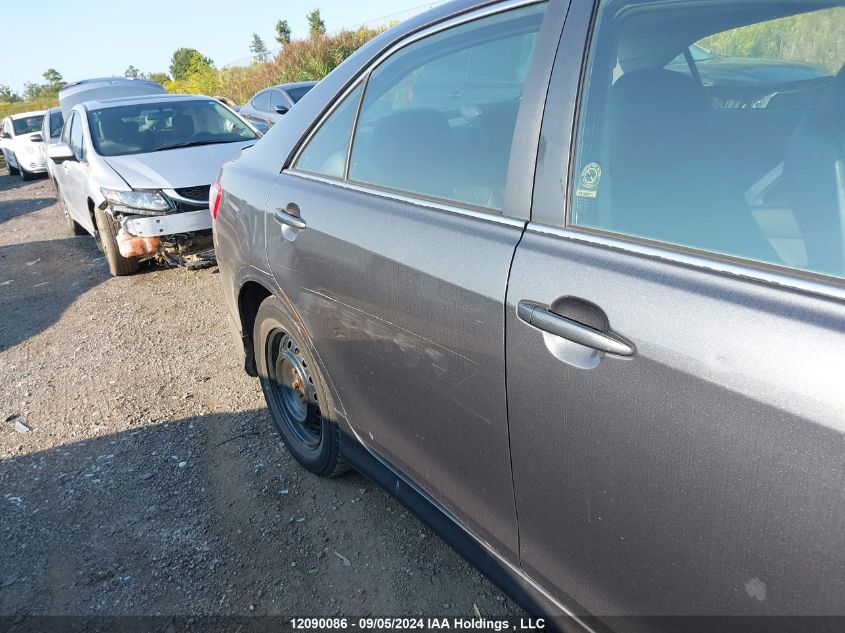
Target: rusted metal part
{"type": "Point", "coordinates": [133, 246]}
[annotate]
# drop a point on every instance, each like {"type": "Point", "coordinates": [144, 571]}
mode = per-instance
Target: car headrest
{"type": "Point", "coordinates": [656, 113]}
{"type": "Point", "coordinates": [413, 147]}
{"type": "Point", "coordinates": [182, 125]}
{"type": "Point", "coordinates": [115, 129]}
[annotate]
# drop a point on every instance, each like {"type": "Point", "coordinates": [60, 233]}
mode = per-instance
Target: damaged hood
{"type": "Point", "coordinates": [175, 168]}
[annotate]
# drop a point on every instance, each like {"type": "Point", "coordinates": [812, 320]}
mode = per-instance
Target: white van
{"type": "Point", "coordinates": [105, 88]}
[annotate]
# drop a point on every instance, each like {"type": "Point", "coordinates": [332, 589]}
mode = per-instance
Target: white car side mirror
{"type": "Point", "coordinates": [60, 152]}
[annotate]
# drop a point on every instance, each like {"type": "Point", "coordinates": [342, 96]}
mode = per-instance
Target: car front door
{"type": "Point", "coordinates": [277, 100]}
{"type": "Point", "coordinates": [259, 108]}
{"type": "Point", "coordinates": [400, 272]}
{"type": "Point", "coordinates": [674, 370]}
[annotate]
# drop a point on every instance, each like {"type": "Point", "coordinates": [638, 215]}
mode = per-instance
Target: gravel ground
{"type": "Point", "coordinates": [152, 481]}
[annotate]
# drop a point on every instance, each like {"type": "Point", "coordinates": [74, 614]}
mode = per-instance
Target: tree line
{"type": "Point", "coordinates": [191, 71]}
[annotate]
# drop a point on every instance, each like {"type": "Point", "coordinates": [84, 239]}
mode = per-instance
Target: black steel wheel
{"type": "Point", "coordinates": [292, 389]}
{"type": "Point", "coordinates": [295, 392]}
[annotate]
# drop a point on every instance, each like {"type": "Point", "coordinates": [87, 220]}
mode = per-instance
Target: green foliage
{"type": "Point", "coordinates": [159, 77]}
{"type": "Point", "coordinates": [315, 58]}
{"type": "Point", "coordinates": [132, 72]}
{"type": "Point", "coordinates": [53, 78]}
{"type": "Point", "coordinates": [200, 78]}
{"type": "Point", "coordinates": [259, 49]}
{"type": "Point", "coordinates": [300, 60]}
{"type": "Point", "coordinates": [26, 106]}
{"type": "Point", "coordinates": [817, 38]}
{"type": "Point", "coordinates": [283, 32]}
{"type": "Point", "coordinates": [7, 95]}
{"type": "Point", "coordinates": [183, 59]}
{"type": "Point", "coordinates": [316, 26]}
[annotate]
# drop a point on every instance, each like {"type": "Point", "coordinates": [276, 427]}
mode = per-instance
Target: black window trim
{"type": "Point", "coordinates": [577, 39]}
{"type": "Point", "coordinates": [451, 206]}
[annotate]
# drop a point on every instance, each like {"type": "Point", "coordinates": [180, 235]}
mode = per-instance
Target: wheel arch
{"type": "Point", "coordinates": [91, 212]}
{"type": "Point", "coordinates": [250, 297]}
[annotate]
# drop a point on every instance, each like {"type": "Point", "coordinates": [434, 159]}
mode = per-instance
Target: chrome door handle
{"type": "Point", "coordinates": [542, 318]}
{"type": "Point", "coordinates": [290, 217]}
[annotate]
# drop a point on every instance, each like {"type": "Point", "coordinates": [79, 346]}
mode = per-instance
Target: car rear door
{"type": "Point", "coordinates": [397, 259]}
{"type": "Point", "coordinates": [675, 399]}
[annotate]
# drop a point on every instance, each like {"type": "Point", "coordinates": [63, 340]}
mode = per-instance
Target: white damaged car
{"type": "Point", "coordinates": [135, 171]}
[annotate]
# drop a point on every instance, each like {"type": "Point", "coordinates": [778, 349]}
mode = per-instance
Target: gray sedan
{"type": "Point", "coordinates": [268, 106]}
{"type": "Point", "coordinates": [583, 318]}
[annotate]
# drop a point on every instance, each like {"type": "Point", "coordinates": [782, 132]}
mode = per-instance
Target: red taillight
{"type": "Point", "coordinates": [214, 195]}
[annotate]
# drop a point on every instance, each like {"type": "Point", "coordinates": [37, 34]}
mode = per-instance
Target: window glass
{"type": "Point", "coordinates": [262, 100]}
{"type": "Point", "coordinates": [277, 99]}
{"type": "Point", "coordinates": [326, 151]}
{"type": "Point", "coordinates": [157, 127]}
{"type": "Point", "coordinates": [28, 124]}
{"type": "Point", "coordinates": [738, 153]}
{"type": "Point", "coordinates": [56, 122]}
{"type": "Point", "coordinates": [297, 93]}
{"type": "Point", "coordinates": [76, 139]}
{"type": "Point", "coordinates": [438, 117]}
{"type": "Point", "coordinates": [66, 128]}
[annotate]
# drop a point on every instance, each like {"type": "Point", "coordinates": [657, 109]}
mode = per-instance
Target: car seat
{"type": "Point", "coordinates": [664, 169]}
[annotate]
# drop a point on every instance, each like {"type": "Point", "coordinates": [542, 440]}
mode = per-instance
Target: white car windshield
{"type": "Point", "coordinates": [29, 124]}
{"type": "Point", "coordinates": [155, 127]}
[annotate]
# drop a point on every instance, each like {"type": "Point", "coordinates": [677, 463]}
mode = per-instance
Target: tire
{"type": "Point", "coordinates": [119, 265]}
{"type": "Point", "coordinates": [295, 392]}
{"type": "Point", "coordinates": [73, 226]}
{"type": "Point", "coordinates": [13, 171]}
{"type": "Point", "coordinates": [25, 175]}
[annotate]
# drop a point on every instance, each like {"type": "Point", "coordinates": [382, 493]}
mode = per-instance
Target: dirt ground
{"type": "Point", "coordinates": [152, 481]}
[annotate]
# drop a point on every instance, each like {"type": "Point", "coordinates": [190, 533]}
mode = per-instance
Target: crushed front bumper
{"type": "Point", "coordinates": [177, 239]}
{"type": "Point", "coordinates": [172, 224]}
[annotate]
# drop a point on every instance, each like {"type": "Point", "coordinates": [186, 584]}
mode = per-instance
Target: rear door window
{"type": "Point", "coordinates": [721, 134]}
{"type": "Point", "coordinates": [326, 152]}
{"type": "Point", "coordinates": [438, 116]}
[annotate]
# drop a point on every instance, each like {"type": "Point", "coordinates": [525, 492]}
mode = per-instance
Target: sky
{"type": "Point", "coordinates": [97, 38]}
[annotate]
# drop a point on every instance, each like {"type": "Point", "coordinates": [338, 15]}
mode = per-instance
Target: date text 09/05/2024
{"type": "Point", "coordinates": [411, 623]}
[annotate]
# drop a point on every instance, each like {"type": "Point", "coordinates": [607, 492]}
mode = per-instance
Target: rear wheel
{"type": "Point", "coordinates": [107, 235]}
{"type": "Point", "coordinates": [295, 393]}
{"type": "Point", "coordinates": [25, 175]}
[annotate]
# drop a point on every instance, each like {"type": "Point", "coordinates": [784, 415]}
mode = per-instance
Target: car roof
{"type": "Point", "coordinates": [121, 101]}
{"type": "Point", "coordinates": [23, 115]}
{"type": "Point", "coordinates": [295, 84]}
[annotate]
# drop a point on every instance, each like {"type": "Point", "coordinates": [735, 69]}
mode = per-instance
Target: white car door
{"type": "Point", "coordinates": [71, 174]}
